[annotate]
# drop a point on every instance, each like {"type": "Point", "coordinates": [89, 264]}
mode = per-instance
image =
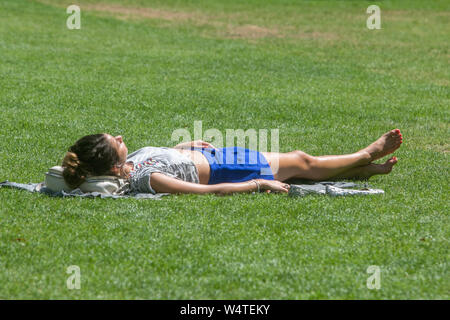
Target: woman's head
{"type": "Point", "coordinates": [93, 155]}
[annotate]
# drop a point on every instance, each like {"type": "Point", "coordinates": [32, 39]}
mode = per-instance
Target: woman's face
{"type": "Point", "coordinates": [120, 147]}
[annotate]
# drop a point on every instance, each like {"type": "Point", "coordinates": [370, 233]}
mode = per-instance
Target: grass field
{"type": "Point", "coordinates": [143, 69]}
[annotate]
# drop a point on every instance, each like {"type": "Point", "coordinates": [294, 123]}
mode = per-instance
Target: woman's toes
{"type": "Point", "coordinates": [389, 164]}
{"type": "Point", "coordinates": [396, 133]}
{"type": "Point", "coordinates": [392, 160]}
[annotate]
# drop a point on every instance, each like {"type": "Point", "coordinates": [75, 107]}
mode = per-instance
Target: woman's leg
{"type": "Point", "coordinates": [297, 164]}
{"type": "Point", "coordinates": [365, 172]}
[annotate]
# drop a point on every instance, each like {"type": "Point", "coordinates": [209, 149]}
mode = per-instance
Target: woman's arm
{"type": "Point", "coordinates": [163, 183]}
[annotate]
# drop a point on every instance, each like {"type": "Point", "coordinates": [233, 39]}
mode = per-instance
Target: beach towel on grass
{"type": "Point", "coordinates": [331, 188]}
{"type": "Point", "coordinates": [40, 187]}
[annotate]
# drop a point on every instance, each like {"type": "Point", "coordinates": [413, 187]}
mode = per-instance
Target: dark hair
{"type": "Point", "coordinates": [90, 155]}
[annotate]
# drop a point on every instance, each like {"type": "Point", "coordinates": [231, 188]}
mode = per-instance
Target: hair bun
{"type": "Point", "coordinates": [73, 173]}
{"type": "Point", "coordinates": [71, 160]}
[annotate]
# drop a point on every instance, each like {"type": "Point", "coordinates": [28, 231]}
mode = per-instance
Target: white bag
{"type": "Point", "coordinates": [103, 184]}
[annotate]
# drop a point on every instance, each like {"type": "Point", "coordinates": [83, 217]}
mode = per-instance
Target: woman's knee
{"type": "Point", "coordinates": [304, 160]}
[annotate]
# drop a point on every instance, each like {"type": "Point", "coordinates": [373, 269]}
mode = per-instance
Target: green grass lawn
{"type": "Point", "coordinates": [143, 69]}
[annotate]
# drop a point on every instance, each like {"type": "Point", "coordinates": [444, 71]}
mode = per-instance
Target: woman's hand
{"type": "Point", "coordinates": [273, 185]}
{"type": "Point", "coordinates": [201, 144]}
{"type": "Point", "coordinates": [196, 144]}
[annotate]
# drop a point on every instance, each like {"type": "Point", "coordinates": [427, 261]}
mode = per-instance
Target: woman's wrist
{"type": "Point", "coordinates": [258, 184]}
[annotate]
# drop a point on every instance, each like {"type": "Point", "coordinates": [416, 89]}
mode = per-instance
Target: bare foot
{"type": "Point", "coordinates": [372, 169]}
{"type": "Point", "coordinates": [384, 168]}
{"type": "Point", "coordinates": [386, 144]}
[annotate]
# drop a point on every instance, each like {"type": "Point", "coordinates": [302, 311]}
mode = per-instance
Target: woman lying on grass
{"type": "Point", "coordinates": [198, 167]}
